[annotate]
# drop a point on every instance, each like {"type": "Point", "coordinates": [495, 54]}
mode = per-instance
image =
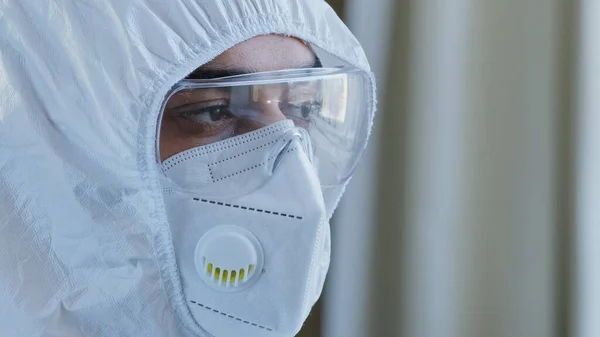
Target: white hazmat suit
{"type": "Point", "coordinates": [85, 245]}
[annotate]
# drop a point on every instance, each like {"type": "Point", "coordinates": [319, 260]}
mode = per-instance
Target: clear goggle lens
{"type": "Point", "coordinates": [332, 104]}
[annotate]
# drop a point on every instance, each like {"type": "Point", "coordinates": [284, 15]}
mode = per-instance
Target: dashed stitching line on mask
{"type": "Point", "coordinates": [230, 316]}
{"type": "Point", "coordinates": [241, 154]}
{"type": "Point", "coordinates": [198, 152]}
{"type": "Point", "coordinates": [285, 215]}
{"type": "Point", "coordinates": [236, 173]}
{"type": "Point", "coordinates": [244, 170]}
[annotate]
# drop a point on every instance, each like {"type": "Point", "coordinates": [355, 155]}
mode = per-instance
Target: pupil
{"type": "Point", "coordinates": [215, 114]}
{"type": "Point", "coordinates": [305, 110]}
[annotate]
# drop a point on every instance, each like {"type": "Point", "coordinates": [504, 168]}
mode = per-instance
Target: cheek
{"type": "Point", "coordinates": [173, 141]}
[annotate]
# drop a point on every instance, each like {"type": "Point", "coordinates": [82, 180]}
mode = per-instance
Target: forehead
{"type": "Point", "coordinates": [265, 53]}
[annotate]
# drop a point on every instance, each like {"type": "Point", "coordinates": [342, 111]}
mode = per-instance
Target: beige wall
{"type": "Point", "coordinates": [463, 214]}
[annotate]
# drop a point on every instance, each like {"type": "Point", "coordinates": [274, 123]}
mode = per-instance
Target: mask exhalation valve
{"type": "Point", "coordinates": [229, 258]}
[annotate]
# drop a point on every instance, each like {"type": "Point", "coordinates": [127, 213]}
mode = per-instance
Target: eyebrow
{"type": "Point", "coordinates": [206, 74]}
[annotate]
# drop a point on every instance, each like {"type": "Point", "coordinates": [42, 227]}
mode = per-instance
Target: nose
{"type": "Point", "coordinates": [265, 103]}
{"type": "Point", "coordinates": [265, 114]}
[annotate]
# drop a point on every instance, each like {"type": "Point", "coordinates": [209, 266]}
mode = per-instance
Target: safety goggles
{"type": "Point", "coordinates": [332, 104]}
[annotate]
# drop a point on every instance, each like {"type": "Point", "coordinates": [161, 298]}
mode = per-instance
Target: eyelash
{"type": "Point", "coordinates": [213, 112]}
{"type": "Point", "coordinates": [306, 109]}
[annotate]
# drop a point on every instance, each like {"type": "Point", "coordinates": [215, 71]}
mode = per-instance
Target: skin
{"type": "Point", "coordinates": [264, 53]}
{"type": "Point", "coordinates": [180, 131]}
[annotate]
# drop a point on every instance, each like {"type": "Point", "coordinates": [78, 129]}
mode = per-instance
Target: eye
{"type": "Point", "coordinates": [207, 114]}
{"type": "Point", "coordinates": [201, 120]}
{"type": "Point", "coordinates": [302, 110]}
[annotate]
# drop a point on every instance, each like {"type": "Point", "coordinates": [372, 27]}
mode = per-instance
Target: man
{"type": "Point", "coordinates": [168, 168]}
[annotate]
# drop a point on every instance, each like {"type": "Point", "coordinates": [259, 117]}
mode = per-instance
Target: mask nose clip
{"type": "Point", "coordinates": [294, 135]}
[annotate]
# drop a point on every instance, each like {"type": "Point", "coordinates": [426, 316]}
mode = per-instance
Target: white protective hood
{"type": "Point", "coordinates": [85, 247]}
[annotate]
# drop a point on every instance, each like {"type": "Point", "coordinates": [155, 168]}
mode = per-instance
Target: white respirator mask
{"type": "Point", "coordinates": [246, 160]}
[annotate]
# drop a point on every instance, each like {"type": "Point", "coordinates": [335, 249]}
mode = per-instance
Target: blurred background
{"type": "Point", "coordinates": [476, 209]}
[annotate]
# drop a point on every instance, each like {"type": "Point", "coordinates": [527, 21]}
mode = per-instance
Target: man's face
{"type": "Point", "coordinates": [186, 125]}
